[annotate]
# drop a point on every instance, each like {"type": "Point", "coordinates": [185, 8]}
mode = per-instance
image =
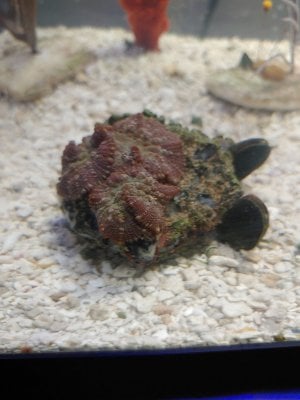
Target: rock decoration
{"type": "Point", "coordinates": [258, 85]}
{"type": "Point", "coordinates": [25, 77]}
{"type": "Point", "coordinates": [148, 190]}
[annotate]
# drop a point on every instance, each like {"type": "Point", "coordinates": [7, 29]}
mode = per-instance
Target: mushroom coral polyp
{"type": "Point", "coordinates": [146, 190]}
{"type": "Point", "coordinates": [148, 20]}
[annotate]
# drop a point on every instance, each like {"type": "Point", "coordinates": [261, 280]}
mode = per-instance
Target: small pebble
{"type": "Point", "coordinates": [24, 212]}
{"type": "Point", "coordinates": [58, 326]}
{"type": "Point", "coordinates": [282, 267]}
{"type": "Point", "coordinates": [170, 270]}
{"type": "Point", "coordinates": [68, 286]}
{"type": "Point", "coordinates": [124, 271]}
{"type": "Point", "coordinates": [56, 296]}
{"type": "Point", "coordinates": [71, 302]}
{"type": "Point", "coordinates": [106, 267]}
{"type": "Point", "coordinates": [234, 310]}
{"type": "Point", "coordinates": [42, 321]}
{"type": "Point", "coordinates": [189, 274]}
{"type": "Point", "coordinates": [10, 241]}
{"type": "Point", "coordinates": [223, 261]}
{"type": "Point", "coordinates": [164, 295]}
{"type": "Point", "coordinates": [25, 323]}
{"type": "Point", "coordinates": [121, 314]}
{"type": "Point", "coordinates": [3, 290]}
{"type": "Point", "coordinates": [144, 305]}
{"type": "Point", "coordinates": [276, 311]}
{"type": "Point", "coordinates": [99, 312]}
{"type": "Point", "coordinates": [162, 334]}
{"type": "Point", "coordinates": [189, 285]}
{"type": "Point", "coordinates": [97, 282]}
{"type": "Point", "coordinates": [161, 309]}
{"type": "Point", "coordinates": [189, 311]}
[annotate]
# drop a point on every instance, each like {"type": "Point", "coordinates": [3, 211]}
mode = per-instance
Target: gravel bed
{"type": "Point", "coordinates": [53, 299]}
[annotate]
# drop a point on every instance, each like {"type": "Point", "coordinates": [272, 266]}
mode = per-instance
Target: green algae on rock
{"type": "Point", "coordinates": [149, 190]}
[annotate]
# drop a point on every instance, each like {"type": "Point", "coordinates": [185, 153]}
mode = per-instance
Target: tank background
{"type": "Point", "coordinates": [217, 18]}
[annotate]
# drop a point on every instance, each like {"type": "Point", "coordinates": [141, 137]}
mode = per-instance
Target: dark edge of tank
{"type": "Point", "coordinates": [156, 374]}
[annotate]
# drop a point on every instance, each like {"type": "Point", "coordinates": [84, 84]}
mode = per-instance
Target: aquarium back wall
{"type": "Point", "coordinates": [197, 17]}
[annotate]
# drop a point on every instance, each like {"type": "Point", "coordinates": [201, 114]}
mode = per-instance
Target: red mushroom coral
{"type": "Point", "coordinates": [148, 20]}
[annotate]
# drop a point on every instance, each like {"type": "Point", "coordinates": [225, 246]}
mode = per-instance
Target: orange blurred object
{"type": "Point", "coordinates": [148, 20]}
{"type": "Point", "coordinates": [267, 5]}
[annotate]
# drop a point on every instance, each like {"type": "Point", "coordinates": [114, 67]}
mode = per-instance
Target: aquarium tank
{"type": "Point", "coordinates": [149, 174]}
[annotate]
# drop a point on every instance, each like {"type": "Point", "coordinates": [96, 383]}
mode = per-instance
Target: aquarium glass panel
{"type": "Point", "coordinates": [149, 174]}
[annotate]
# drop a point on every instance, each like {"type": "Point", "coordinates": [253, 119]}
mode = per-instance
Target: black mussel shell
{"type": "Point", "coordinates": [249, 155]}
{"type": "Point", "coordinates": [245, 62]}
{"type": "Point", "coordinates": [244, 224]}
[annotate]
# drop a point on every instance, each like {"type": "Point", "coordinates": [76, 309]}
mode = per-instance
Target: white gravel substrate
{"type": "Point", "coordinates": [50, 298]}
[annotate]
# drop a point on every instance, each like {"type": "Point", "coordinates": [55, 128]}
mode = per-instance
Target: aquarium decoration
{"type": "Point", "coordinates": [150, 190]}
{"type": "Point", "coordinates": [271, 84]}
{"type": "Point", "coordinates": [19, 17]}
{"type": "Point", "coordinates": [28, 77]}
{"type": "Point", "coordinates": [148, 20]}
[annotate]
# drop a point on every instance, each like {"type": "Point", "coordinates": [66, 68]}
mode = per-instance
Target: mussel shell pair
{"type": "Point", "coordinates": [245, 223]}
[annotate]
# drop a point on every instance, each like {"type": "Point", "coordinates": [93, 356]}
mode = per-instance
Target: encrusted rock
{"type": "Point", "coordinates": [148, 190]}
